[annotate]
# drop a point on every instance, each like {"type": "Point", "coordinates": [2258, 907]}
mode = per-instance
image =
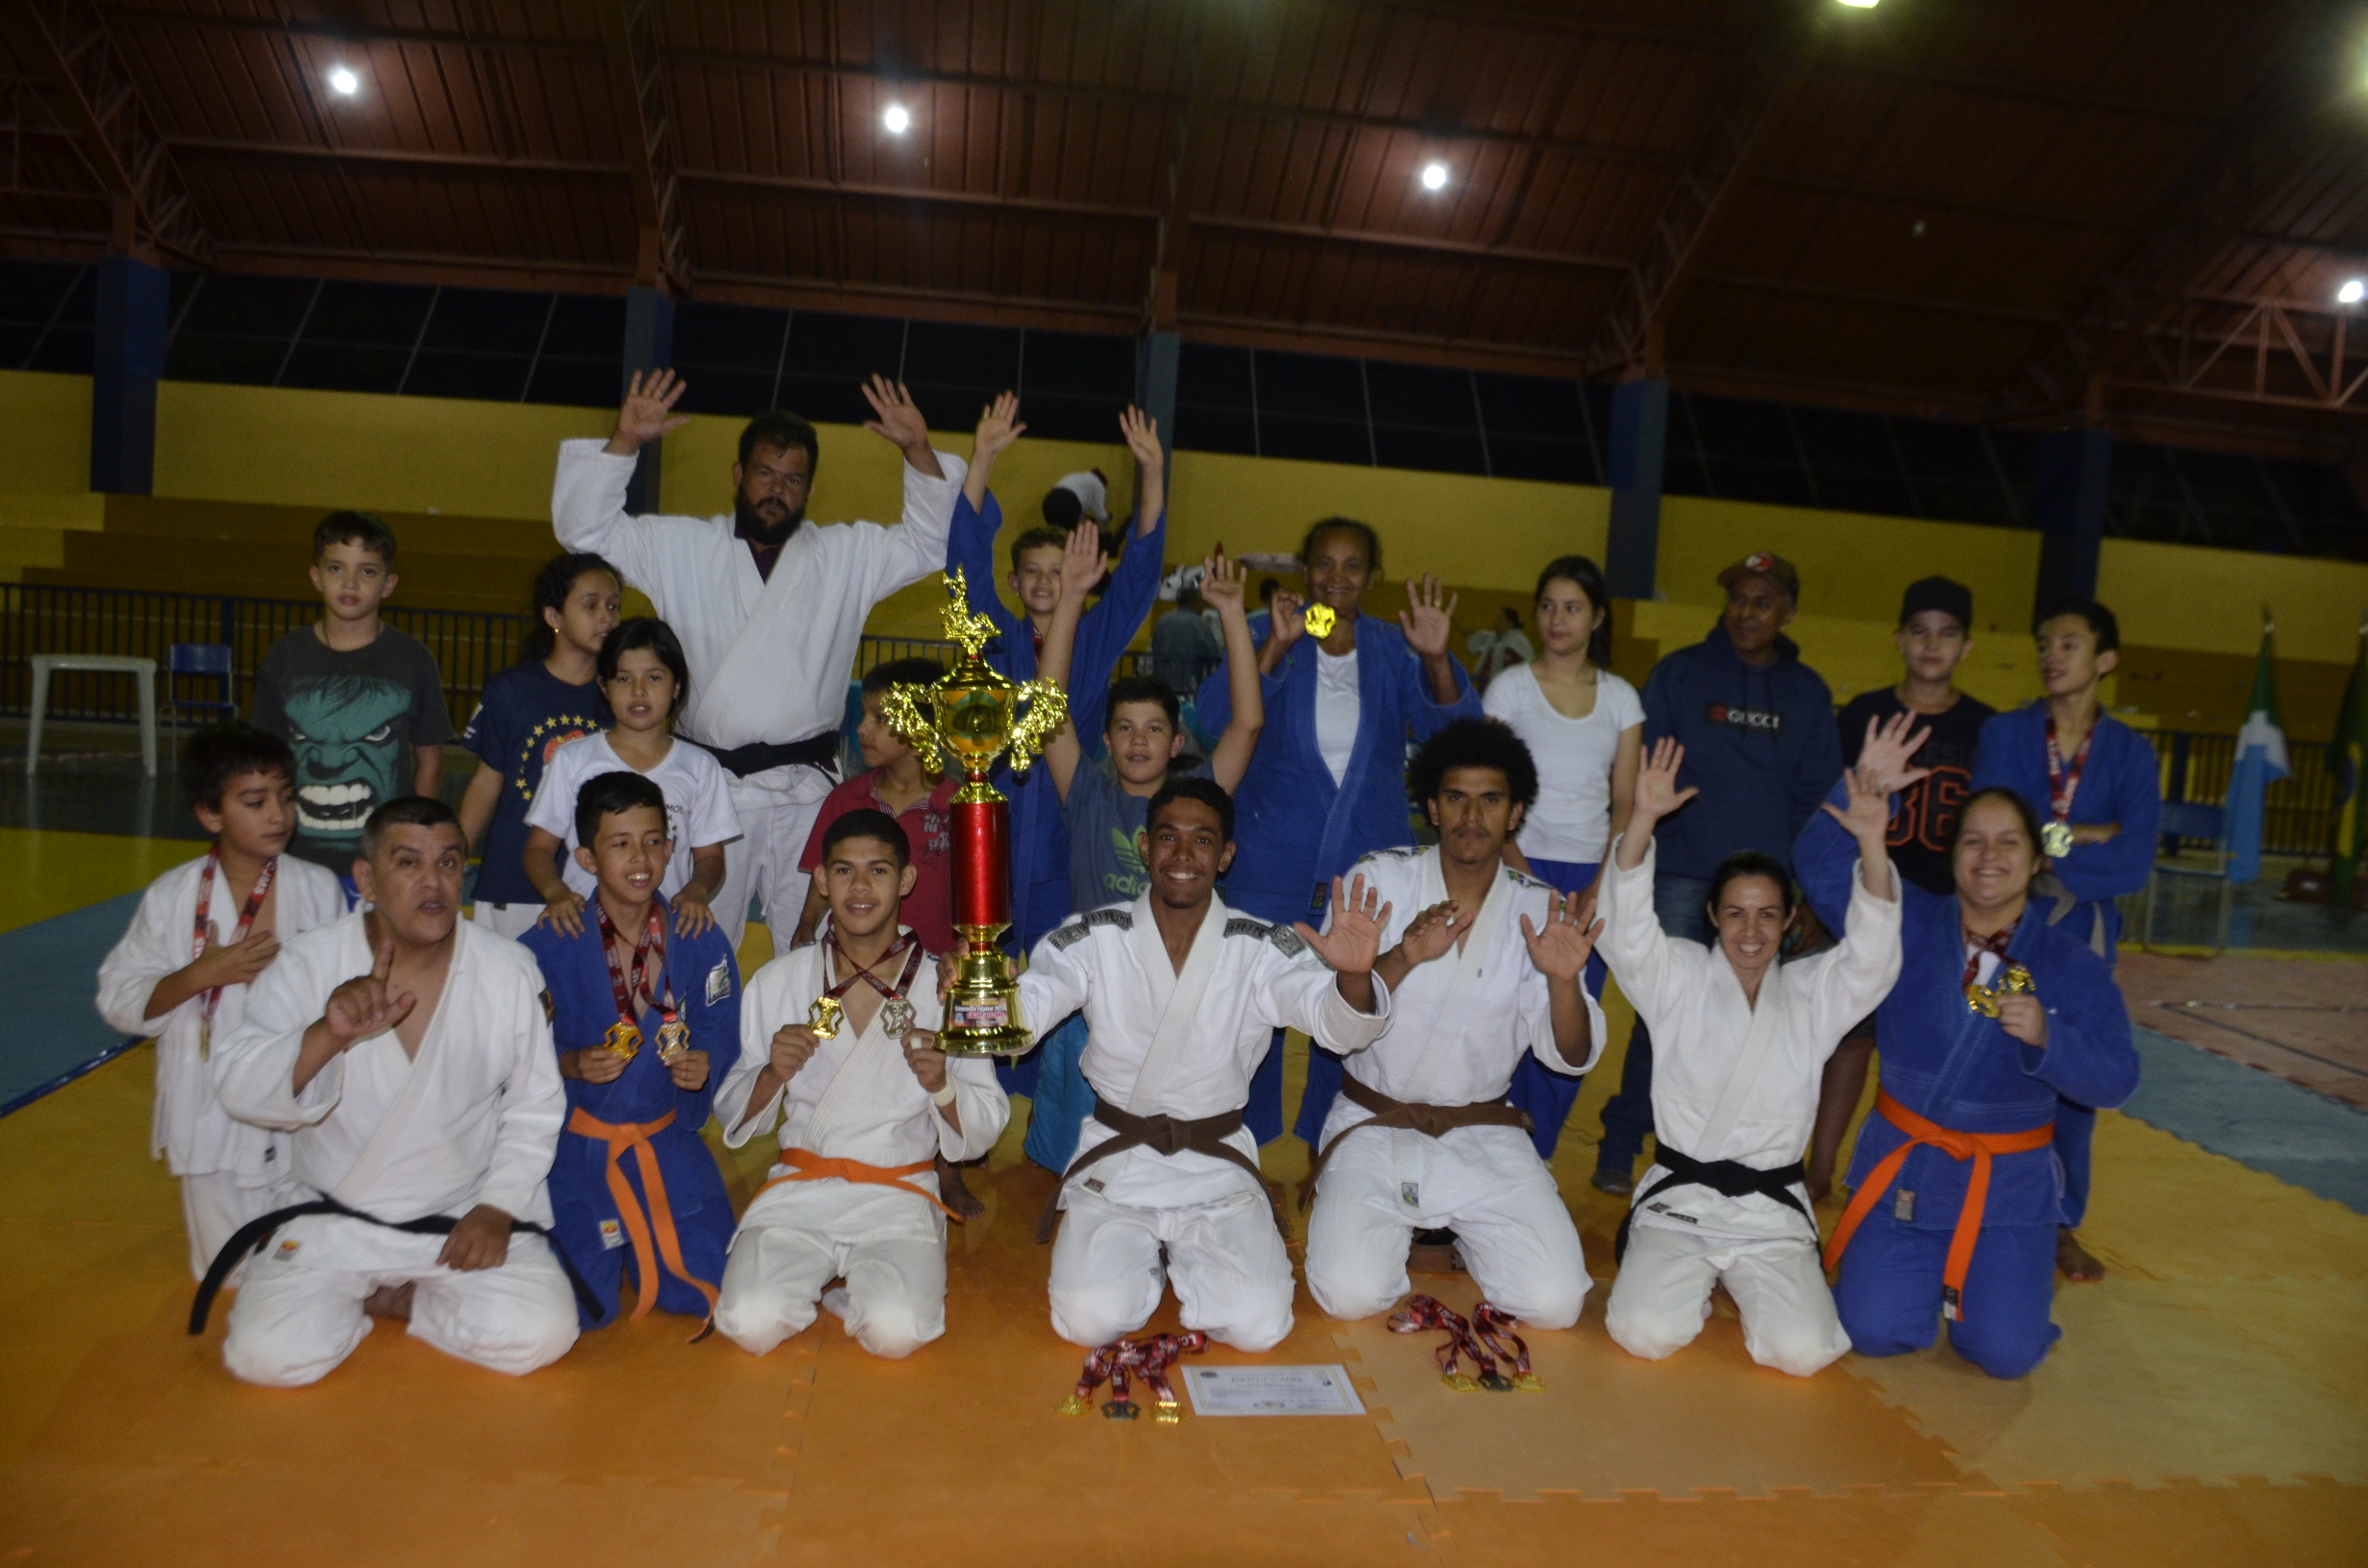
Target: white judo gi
{"type": "Point", "coordinates": [1458, 1028]}
{"type": "Point", "coordinates": [769, 657]}
{"type": "Point", "coordinates": [475, 1118]}
{"type": "Point", "coordinates": [230, 1172]}
{"type": "Point", "coordinates": [1181, 1045]}
{"type": "Point", "coordinates": [1734, 1082]}
{"type": "Point", "coordinates": [855, 1099]}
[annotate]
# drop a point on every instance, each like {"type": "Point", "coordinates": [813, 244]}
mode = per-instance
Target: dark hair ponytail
{"type": "Point", "coordinates": [1588, 577]}
{"type": "Point", "coordinates": [552, 585]}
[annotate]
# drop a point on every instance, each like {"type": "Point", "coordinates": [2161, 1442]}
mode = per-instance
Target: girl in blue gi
{"type": "Point", "coordinates": [632, 1175]}
{"type": "Point", "coordinates": [2097, 789]}
{"type": "Point", "coordinates": [1957, 1191]}
{"type": "Point", "coordinates": [1327, 785]}
{"type": "Point", "coordinates": [1039, 833]}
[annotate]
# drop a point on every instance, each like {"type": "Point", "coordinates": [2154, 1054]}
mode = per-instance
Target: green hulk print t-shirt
{"type": "Point", "coordinates": [352, 718]}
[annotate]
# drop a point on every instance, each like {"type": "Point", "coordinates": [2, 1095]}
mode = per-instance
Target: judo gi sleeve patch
{"type": "Point", "coordinates": [719, 981]}
{"type": "Point", "coordinates": [1071, 934]}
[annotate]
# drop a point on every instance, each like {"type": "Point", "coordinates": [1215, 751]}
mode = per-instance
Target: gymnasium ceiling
{"type": "Point", "coordinates": [2139, 212]}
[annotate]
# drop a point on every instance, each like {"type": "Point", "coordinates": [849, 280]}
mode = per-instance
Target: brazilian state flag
{"type": "Point", "coordinates": [2345, 759]}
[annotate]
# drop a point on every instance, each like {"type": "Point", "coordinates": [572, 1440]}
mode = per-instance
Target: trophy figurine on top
{"type": "Point", "coordinates": [972, 712]}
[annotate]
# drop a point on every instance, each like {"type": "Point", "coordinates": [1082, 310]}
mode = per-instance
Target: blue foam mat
{"type": "Point", "coordinates": [2317, 1143]}
{"type": "Point", "coordinates": [54, 969]}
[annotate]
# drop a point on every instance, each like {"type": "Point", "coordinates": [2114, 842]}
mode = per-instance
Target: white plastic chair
{"type": "Point", "coordinates": [142, 670]}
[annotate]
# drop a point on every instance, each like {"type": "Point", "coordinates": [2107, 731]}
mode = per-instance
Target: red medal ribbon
{"type": "Point", "coordinates": [2064, 784]}
{"type": "Point", "coordinates": [648, 961]}
{"type": "Point", "coordinates": [1997, 942]}
{"type": "Point", "coordinates": [905, 939]}
{"type": "Point", "coordinates": [1149, 1359]}
{"type": "Point", "coordinates": [246, 918]}
{"type": "Point", "coordinates": [1423, 1313]}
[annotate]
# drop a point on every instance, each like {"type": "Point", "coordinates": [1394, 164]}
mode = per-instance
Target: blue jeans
{"type": "Point", "coordinates": [1682, 904]}
{"type": "Point", "coordinates": [1549, 1096]}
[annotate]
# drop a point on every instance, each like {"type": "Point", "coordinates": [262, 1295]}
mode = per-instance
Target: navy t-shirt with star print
{"type": "Point", "coordinates": [526, 714]}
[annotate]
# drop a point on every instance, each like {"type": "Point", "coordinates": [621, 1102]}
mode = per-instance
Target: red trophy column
{"type": "Point", "coordinates": [982, 867]}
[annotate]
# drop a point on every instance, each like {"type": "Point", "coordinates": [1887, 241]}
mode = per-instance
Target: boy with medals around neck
{"type": "Point", "coordinates": [838, 1046]}
{"type": "Point", "coordinates": [639, 1011]}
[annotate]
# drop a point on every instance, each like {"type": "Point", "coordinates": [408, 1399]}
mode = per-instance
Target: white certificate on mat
{"type": "Point", "coordinates": [1271, 1390]}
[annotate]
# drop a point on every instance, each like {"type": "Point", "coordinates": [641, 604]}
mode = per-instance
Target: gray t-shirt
{"type": "Point", "coordinates": [352, 718]}
{"type": "Point", "coordinates": [1104, 865]}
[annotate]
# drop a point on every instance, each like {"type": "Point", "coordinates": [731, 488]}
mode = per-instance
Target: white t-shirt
{"type": "Point", "coordinates": [698, 803]}
{"type": "Point", "coordinates": [1572, 818]}
{"type": "Point", "coordinates": [1336, 711]}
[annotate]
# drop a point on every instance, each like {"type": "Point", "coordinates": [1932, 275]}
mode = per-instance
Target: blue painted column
{"type": "Point", "coordinates": [127, 361]}
{"type": "Point", "coordinates": [648, 345]}
{"type": "Point", "coordinates": [1640, 439]}
{"type": "Point", "coordinates": [2069, 494]}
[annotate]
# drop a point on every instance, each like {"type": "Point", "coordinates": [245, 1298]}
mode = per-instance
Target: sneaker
{"type": "Point", "coordinates": [1618, 1183]}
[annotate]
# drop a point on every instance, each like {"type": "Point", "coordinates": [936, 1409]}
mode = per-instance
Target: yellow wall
{"type": "Point", "coordinates": [47, 452]}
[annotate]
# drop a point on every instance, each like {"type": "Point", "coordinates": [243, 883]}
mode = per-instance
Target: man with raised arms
{"type": "Point", "coordinates": [407, 1054]}
{"type": "Point", "coordinates": [1486, 966]}
{"type": "Point", "coordinates": [1181, 996]}
{"type": "Point", "coordinates": [769, 611]}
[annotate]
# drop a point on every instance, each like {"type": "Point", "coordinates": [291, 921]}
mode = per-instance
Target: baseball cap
{"type": "Point", "coordinates": [1762, 563]}
{"type": "Point", "coordinates": [1938, 594]}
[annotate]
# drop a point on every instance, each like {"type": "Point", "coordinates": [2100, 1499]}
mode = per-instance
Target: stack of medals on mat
{"type": "Point", "coordinates": [639, 979]}
{"type": "Point", "coordinates": [1150, 1358]}
{"type": "Point", "coordinates": [1486, 1336]}
{"type": "Point", "coordinates": [205, 933]}
{"type": "Point", "coordinates": [895, 1014]}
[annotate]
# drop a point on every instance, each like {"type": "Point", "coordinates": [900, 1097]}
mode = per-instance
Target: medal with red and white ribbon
{"type": "Point", "coordinates": [895, 1014]}
{"type": "Point", "coordinates": [631, 979]}
{"type": "Point", "coordinates": [1486, 1338]}
{"type": "Point", "coordinates": [1149, 1358]}
{"type": "Point", "coordinates": [2062, 784]}
{"type": "Point", "coordinates": [205, 928]}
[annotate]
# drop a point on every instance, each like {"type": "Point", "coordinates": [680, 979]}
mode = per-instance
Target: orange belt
{"type": "Point", "coordinates": [660, 1218]}
{"type": "Point", "coordinates": [1978, 1147]}
{"type": "Point", "coordinates": [810, 1167]}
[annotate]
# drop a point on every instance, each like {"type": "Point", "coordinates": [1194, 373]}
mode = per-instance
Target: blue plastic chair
{"type": "Point", "coordinates": [2209, 823]}
{"type": "Point", "coordinates": [199, 659]}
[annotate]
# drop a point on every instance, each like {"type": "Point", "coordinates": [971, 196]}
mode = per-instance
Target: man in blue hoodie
{"type": "Point", "coordinates": [1763, 748]}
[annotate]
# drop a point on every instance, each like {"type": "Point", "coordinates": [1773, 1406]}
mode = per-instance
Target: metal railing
{"type": "Point", "coordinates": [2297, 812]}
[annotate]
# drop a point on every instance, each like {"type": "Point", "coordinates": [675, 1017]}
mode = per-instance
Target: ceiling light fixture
{"type": "Point", "coordinates": [1862, 5]}
{"type": "Point", "coordinates": [2352, 292]}
{"type": "Point", "coordinates": [1434, 177]}
{"type": "Point", "coordinates": [343, 82]}
{"type": "Point", "coordinates": [898, 119]}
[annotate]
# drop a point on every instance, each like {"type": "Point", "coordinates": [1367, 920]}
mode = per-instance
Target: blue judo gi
{"type": "Point", "coordinates": [1951, 1066]}
{"type": "Point", "coordinates": [588, 1226]}
{"type": "Point", "coordinates": [1295, 829]}
{"type": "Point", "coordinates": [2121, 782]}
{"type": "Point", "coordinates": [1039, 833]}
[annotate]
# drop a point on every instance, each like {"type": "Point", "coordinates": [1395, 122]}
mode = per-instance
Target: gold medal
{"type": "Point", "coordinates": [674, 1038]}
{"type": "Point", "coordinates": [2055, 838]}
{"type": "Point", "coordinates": [2012, 981]}
{"type": "Point", "coordinates": [824, 1017]}
{"type": "Point", "coordinates": [624, 1039]}
{"type": "Point", "coordinates": [1320, 619]}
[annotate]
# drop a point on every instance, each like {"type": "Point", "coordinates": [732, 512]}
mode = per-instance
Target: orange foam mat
{"type": "Point", "coordinates": [121, 1440]}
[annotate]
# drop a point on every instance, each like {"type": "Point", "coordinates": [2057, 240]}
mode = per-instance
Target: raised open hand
{"type": "Point", "coordinates": [1083, 562]}
{"type": "Point", "coordinates": [1560, 950]}
{"type": "Point", "coordinates": [1884, 759]}
{"type": "Point", "coordinates": [1432, 933]}
{"type": "Point", "coordinates": [1657, 791]}
{"type": "Point", "coordinates": [365, 1005]}
{"type": "Point", "coordinates": [1142, 434]}
{"type": "Point", "coordinates": [1868, 818]}
{"type": "Point", "coordinates": [1222, 582]}
{"type": "Point", "coordinates": [1354, 941]}
{"type": "Point", "coordinates": [999, 427]}
{"type": "Point", "coordinates": [1427, 618]}
{"type": "Point", "coordinates": [648, 411]}
{"type": "Point", "coordinates": [1288, 615]}
{"type": "Point", "coordinates": [896, 421]}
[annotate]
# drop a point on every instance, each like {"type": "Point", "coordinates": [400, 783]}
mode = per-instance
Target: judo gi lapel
{"type": "Point", "coordinates": [1178, 996]}
{"type": "Point", "coordinates": [1480, 950]}
{"type": "Point", "coordinates": [1340, 822]}
{"type": "Point", "coordinates": [755, 653]}
{"type": "Point", "coordinates": [389, 1139]}
{"type": "Point", "coordinates": [1759, 1039]}
{"type": "Point", "coordinates": [859, 1063]}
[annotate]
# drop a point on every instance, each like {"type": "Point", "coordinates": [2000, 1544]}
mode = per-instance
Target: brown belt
{"type": "Point", "coordinates": [1430, 1120]}
{"type": "Point", "coordinates": [1164, 1136]}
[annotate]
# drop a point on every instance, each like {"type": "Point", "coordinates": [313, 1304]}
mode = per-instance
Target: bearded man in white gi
{"type": "Point", "coordinates": [407, 1054]}
{"type": "Point", "coordinates": [769, 611]}
{"type": "Point", "coordinates": [1182, 996]}
{"type": "Point", "coordinates": [867, 1104]}
{"type": "Point", "coordinates": [1739, 1047]}
{"type": "Point", "coordinates": [1486, 963]}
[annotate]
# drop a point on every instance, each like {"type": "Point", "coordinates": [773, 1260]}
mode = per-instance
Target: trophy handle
{"type": "Point", "coordinates": [899, 707]}
{"type": "Point", "coordinates": [1048, 709]}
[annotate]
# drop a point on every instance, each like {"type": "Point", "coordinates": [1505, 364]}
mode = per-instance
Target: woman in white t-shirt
{"type": "Point", "coordinates": [1585, 728]}
{"type": "Point", "coordinates": [646, 679]}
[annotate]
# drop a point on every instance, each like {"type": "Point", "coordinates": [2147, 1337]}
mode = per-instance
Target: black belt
{"type": "Point", "coordinates": [1163, 1136]}
{"type": "Point", "coordinates": [251, 1235]}
{"type": "Point", "coordinates": [814, 751]}
{"type": "Point", "coordinates": [1430, 1120]}
{"type": "Point", "coordinates": [1728, 1178]}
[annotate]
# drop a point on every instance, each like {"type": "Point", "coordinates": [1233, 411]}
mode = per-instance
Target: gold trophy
{"type": "Point", "coordinates": [972, 712]}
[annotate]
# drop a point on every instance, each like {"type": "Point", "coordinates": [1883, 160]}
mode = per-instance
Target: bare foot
{"type": "Point", "coordinates": [2074, 1262]}
{"type": "Point", "coordinates": [392, 1302]}
{"type": "Point", "coordinates": [958, 1197]}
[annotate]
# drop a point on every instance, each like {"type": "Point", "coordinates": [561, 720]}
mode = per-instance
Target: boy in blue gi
{"type": "Point", "coordinates": [1996, 1019]}
{"type": "Point", "coordinates": [639, 1012]}
{"type": "Point", "coordinates": [2097, 790]}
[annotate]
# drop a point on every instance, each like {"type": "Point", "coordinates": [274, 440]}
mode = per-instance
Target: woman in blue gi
{"type": "Point", "coordinates": [638, 1012]}
{"type": "Point", "coordinates": [1957, 1191]}
{"type": "Point", "coordinates": [1344, 693]}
